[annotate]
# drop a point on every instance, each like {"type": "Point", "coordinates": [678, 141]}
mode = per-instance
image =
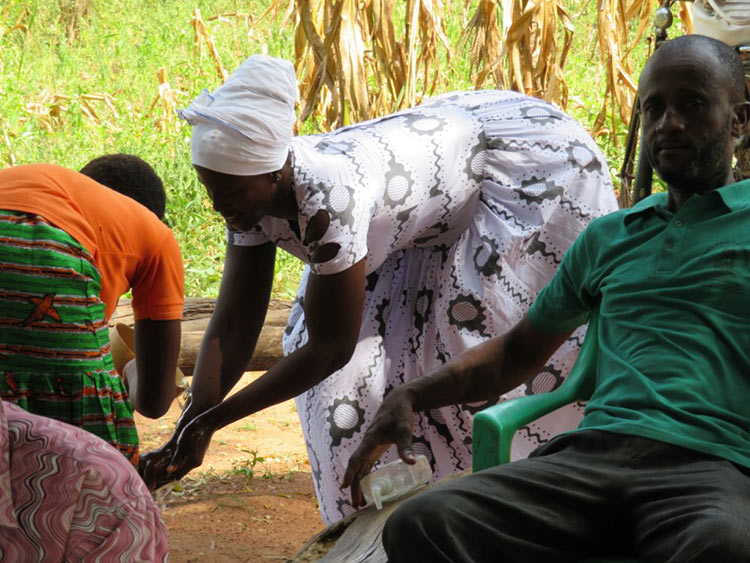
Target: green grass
{"type": "Point", "coordinates": [118, 48]}
{"type": "Point", "coordinates": [246, 467]}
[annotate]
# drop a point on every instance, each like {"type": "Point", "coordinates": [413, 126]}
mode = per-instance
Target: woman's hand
{"type": "Point", "coordinates": [393, 423]}
{"type": "Point", "coordinates": [152, 466]}
{"type": "Point", "coordinates": [190, 449]}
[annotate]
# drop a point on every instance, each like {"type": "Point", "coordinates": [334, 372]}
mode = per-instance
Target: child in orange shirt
{"type": "Point", "coordinates": [70, 248]}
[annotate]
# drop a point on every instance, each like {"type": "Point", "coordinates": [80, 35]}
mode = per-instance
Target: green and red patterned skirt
{"type": "Point", "coordinates": [55, 357]}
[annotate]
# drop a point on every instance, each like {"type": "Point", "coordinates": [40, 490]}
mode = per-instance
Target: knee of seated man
{"type": "Point", "coordinates": [718, 536]}
{"type": "Point", "coordinates": [420, 515]}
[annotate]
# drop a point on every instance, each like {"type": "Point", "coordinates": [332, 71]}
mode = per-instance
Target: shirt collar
{"type": "Point", "coordinates": [8, 517]}
{"type": "Point", "coordinates": [735, 196]}
{"type": "Point", "coordinates": [646, 205]}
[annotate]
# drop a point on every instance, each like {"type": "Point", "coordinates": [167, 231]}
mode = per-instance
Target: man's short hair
{"type": "Point", "coordinates": [729, 60]}
{"type": "Point", "coordinates": [131, 176]}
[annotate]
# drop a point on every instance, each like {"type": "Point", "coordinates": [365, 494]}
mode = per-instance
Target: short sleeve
{"type": "Point", "coordinates": [159, 284]}
{"type": "Point", "coordinates": [566, 301]}
{"type": "Point", "coordinates": [253, 237]}
{"type": "Point", "coordinates": [346, 235]}
{"type": "Point", "coordinates": [344, 187]}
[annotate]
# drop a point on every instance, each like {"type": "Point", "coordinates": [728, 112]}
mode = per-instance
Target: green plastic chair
{"type": "Point", "coordinates": [495, 426]}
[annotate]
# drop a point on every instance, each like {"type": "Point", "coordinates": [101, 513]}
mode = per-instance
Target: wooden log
{"type": "Point", "coordinates": [196, 315]}
{"type": "Point", "coordinates": [357, 537]}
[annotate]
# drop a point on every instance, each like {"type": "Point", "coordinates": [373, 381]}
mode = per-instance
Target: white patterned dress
{"type": "Point", "coordinates": [462, 208]}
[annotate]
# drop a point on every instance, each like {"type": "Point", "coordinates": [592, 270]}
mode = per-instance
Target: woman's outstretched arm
{"type": "Point", "coordinates": [333, 311]}
{"type": "Point", "coordinates": [227, 345]}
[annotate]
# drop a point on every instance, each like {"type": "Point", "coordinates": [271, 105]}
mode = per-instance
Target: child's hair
{"type": "Point", "coordinates": [131, 176]}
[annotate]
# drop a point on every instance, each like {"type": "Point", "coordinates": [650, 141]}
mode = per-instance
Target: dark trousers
{"type": "Point", "coordinates": [584, 494]}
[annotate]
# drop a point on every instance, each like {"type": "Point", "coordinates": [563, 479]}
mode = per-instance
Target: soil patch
{"type": "Point", "coordinates": [252, 500]}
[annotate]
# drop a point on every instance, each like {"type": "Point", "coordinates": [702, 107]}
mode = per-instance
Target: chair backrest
{"type": "Point", "coordinates": [582, 377]}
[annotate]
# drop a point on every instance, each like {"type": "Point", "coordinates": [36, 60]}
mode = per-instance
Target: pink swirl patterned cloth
{"type": "Point", "coordinates": [66, 495]}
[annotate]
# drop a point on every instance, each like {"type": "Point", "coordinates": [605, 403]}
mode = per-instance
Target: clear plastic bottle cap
{"type": "Point", "coordinates": [395, 479]}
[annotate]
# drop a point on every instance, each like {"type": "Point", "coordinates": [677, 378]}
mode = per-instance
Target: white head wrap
{"type": "Point", "coordinates": [245, 126]}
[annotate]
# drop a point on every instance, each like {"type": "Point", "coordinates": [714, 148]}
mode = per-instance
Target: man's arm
{"type": "Point", "coordinates": [487, 370]}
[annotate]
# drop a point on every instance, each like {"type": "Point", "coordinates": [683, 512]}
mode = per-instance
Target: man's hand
{"type": "Point", "coordinates": [393, 423]}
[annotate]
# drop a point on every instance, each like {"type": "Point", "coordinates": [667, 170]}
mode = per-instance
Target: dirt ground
{"type": "Point", "coordinates": [252, 500]}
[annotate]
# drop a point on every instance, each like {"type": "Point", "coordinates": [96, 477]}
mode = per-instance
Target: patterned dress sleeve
{"type": "Point", "coordinates": [253, 237]}
{"type": "Point", "coordinates": [335, 176]}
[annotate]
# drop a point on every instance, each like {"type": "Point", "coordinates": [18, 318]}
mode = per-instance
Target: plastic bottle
{"type": "Point", "coordinates": [395, 479]}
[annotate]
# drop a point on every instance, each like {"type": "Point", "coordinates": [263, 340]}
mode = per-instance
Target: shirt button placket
{"type": "Point", "coordinates": [668, 260]}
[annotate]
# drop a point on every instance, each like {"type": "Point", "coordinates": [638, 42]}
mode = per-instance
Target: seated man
{"type": "Point", "coordinates": [659, 467]}
{"type": "Point", "coordinates": [65, 495]}
{"type": "Point", "coordinates": [70, 248]}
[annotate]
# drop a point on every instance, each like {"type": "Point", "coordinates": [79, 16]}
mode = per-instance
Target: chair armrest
{"type": "Point", "coordinates": [495, 426]}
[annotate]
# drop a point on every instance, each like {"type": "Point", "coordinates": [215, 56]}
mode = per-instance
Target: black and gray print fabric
{"type": "Point", "coordinates": [462, 208]}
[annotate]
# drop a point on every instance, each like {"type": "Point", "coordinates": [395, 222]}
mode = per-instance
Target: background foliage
{"type": "Point", "coordinates": [80, 78]}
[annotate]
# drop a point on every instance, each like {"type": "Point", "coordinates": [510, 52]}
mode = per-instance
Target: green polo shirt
{"type": "Point", "coordinates": [673, 291]}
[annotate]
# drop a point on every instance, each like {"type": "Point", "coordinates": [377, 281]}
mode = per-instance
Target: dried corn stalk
{"type": "Point", "coordinates": [353, 64]}
{"type": "Point", "coordinates": [348, 49]}
{"type": "Point", "coordinates": [275, 7]}
{"type": "Point", "coordinates": [18, 27]}
{"type": "Point", "coordinates": [48, 109]}
{"type": "Point", "coordinates": [88, 109]}
{"type": "Point", "coordinates": [613, 32]}
{"type": "Point", "coordinates": [527, 51]}
{"type": "Point", "coordinates": [166, 98]}
{"type": "Point", "coordinates": [486, 41]}
{"type": "Point", "coordinates": [238, 15]}
{"type": "Point", "coordinates": [390, 65]}
{"type": "Point", "coordinates": [616, 21]}
{"type": "Point", "coordinates": [685, 13]}
{"type": "Point", "coordinates": [72, 12]}
{"type": "Point", "coordinates": [204, 39]}
{"type": "Point", "coordinates": [426, 45]}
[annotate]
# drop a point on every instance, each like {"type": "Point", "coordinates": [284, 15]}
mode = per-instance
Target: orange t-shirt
{"type": "Point", "coordinates": [130, 245]}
